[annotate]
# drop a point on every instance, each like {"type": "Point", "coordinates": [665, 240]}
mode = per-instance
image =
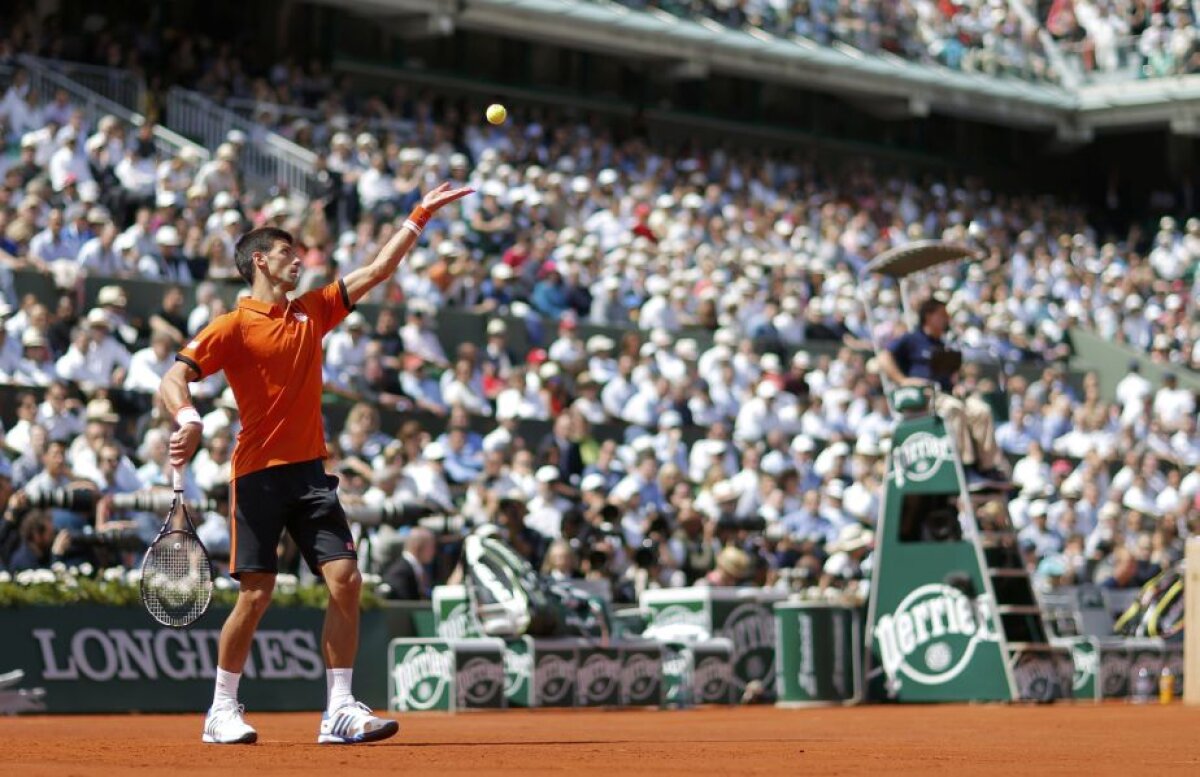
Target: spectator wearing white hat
{"type": "Point", "coordinates": [346, 352]}
{"type": "Point", "coordinates": [497, 291]}
{"type": "Point", "coordinates": [219, 174]}
{"type": "Point", "coordinates": [1045, 539]}
{"type": "Point", "coordinates": [67, 165]}
{"type": "Point", "coordinates": [546, 508]}
{"type": "Point", "coordinates": [167, 262]}
{"type": "Point", "coordinates": [37, 366]}
{"type": "Point", "coordinates": [224, 415]}
{"type": "Point", "coordinates": [429, 476]}
{"type": "Point", "coordinates": [175, 174]}
{"type": "Point", "coordinates": [418, 334]}
{"type": "Point", "coordinates": [758, 414]}
{"type": "Point", "coordinates": [136, 173]}
{"type": "Point", "coordinates": [147, 366]}
{"type": "Point", "coordinates": [95, 357]}
{"type": "Point", "coordinates": [844, 569]}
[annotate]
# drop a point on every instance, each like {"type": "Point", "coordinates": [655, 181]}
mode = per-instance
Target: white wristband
{"type": "Point", "coordinates": [413, 226]}
{"type": "Point", "coordinates": [188, 415]}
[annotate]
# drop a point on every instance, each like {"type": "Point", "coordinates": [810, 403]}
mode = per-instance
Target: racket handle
{"type": "Point", "coordinates": [177, 477]}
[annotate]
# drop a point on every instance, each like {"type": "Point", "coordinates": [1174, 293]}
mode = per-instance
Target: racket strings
{"type": "Point", "coordinates": [177, 579]}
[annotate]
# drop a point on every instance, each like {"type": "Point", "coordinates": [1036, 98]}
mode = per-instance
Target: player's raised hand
{"type": "Point", "coordinates": [443, 195]}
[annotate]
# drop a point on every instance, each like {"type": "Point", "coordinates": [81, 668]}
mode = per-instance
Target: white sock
{"type": "Point", "coordinates": [227, 688]}
{"type": "Point", "coordinates": [337, 681]}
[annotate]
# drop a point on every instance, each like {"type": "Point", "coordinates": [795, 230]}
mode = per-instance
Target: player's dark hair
{"type": "Point", "coordinates": [927, 308]}
{"type": "Point", "coordinates": [255, 241]}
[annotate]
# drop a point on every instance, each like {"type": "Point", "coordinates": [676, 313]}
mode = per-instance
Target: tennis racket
{"type": "Point", "coordinates": [177, 575]}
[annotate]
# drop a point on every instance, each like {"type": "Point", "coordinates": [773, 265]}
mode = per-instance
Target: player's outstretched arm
{"type": "Point", "coordinates": [384, 265]}
{"type": "Point", "coordinates": [177, 398]}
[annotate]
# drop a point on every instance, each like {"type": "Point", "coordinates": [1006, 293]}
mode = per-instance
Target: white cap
{"type": "Point", "coordinates": [767, 390]}
{"type": "Point", "coordinates": [725, 490]}
{"type": "Point", "coordinates": [547, 474]}
{"type": "Point", "coordinates": [97, 317]}
{"type": "Point", "coordinates": [496, 327]}
{"type": "Point", "coordinates": [167, 235]}
{"type": "Point", "coordinates": [592, 482]}
{"type": "Point", "coordinates": [435, 451]}
{"type": "Point", "coordinates": [802, 443]}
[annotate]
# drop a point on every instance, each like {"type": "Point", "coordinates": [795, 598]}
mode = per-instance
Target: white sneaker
{"type": "Point", "coordinates": [353, 723]}
{"type": "Point", "coordinates": [226, 726]}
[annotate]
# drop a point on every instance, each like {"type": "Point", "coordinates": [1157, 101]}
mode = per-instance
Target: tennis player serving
{"type": "Point", "coordinates": [270, 349]}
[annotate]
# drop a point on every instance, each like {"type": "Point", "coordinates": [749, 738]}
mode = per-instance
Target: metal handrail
{"type": "Point", "coordinates": [46, 80]}
{"type": "Point", "coordinates": [116, 84]}
{"type": "Point", "coordinates": [268, 159]}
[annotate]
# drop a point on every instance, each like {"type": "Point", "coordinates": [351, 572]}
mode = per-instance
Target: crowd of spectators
{"type": "Point", "coordinates": [753, 423]}
{"type": "Point", "coordinates": [1151, 38]}
{"type": "Point", "coordinates": [983, 36]}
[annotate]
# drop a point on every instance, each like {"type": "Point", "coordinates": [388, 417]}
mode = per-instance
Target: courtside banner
{"type": "Point", "coordinates": [117, 659]}
{"type": "Point", "coordinates": [741, 615]}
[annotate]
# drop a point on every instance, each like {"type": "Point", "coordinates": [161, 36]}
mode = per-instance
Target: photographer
{"type": "Point", "coordinates": [40, 545]}
{"type": "Point", "coordinates": [56, 475]}
{"type": "Point", "coordinates": [651, 570]}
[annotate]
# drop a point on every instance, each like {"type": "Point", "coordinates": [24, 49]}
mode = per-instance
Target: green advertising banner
{"type": "Point", "coordinates": [555, 665]}
{"type": "Point", "coordinates": [479, 674]}
{"type": "Point", "coordinates": [934, 623]}
{"type": "Point", "coordinates": [1107, 667]}
{"type": "Point", "coordinates": [598, 678]}
{"type": "Point", "coordinates": [741, 615]}
{"type": "Point", "coordinates": [818, 653]}
{"type": "Point", "coordinates": [698, 672]}
{"type": "Point", "coordinates": [116, 659]}
{"type": "Point", "coordinates": [450, 612]}
{"type": "Point", "coordinates": [1085, 666]}
{"type": "Point", "coordinates": [445, 675]}
{"type": "Point", "coordinates": [641, 674]}
{"type": "Point", "coordinates": [518, 672]}
{"type": "Point", "coordinates": [1043, 672]}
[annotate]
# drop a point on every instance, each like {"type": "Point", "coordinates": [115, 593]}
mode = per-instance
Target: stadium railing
{"type": "Point", "coordinates": [47, 80]}
{"type": "Point", "coordinates": [269, 159]}
{"type": "Point", "coordinates": [117, 84]}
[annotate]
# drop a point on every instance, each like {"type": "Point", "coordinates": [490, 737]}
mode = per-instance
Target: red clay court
{"type": "Point", "coordinates": [999, 739]}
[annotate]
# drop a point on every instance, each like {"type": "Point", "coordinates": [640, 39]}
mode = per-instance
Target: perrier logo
{"type": "Point", "coordinates": [932, 635]}
{"type": "Point", "coordinates": [480, 682]}
{"type": "Point", "coordinates": [422, 678]}
{"type": "Point", "coordinates": [920, 457]}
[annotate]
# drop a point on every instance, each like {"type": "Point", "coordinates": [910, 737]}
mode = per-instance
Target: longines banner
{"type": "Point", "coordinates": [116, 659]}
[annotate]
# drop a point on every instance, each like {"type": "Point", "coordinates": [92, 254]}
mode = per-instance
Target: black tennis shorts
{"type": "Point", "coordinates": [298, 497]}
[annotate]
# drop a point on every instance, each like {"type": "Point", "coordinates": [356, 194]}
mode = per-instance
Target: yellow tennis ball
{"type": "Point", "coordinates": [496, 113]}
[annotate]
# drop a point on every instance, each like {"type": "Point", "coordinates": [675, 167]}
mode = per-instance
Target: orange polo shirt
{"type": "Point", "coordinates": [272, 359]}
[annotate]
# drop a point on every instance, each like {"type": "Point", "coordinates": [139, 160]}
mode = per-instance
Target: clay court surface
{"type": "Point", "coordinates": [1062, 739]}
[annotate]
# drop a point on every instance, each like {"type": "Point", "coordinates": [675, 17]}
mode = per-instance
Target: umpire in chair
{"type": "Point", "coordinates": [921, 358]}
